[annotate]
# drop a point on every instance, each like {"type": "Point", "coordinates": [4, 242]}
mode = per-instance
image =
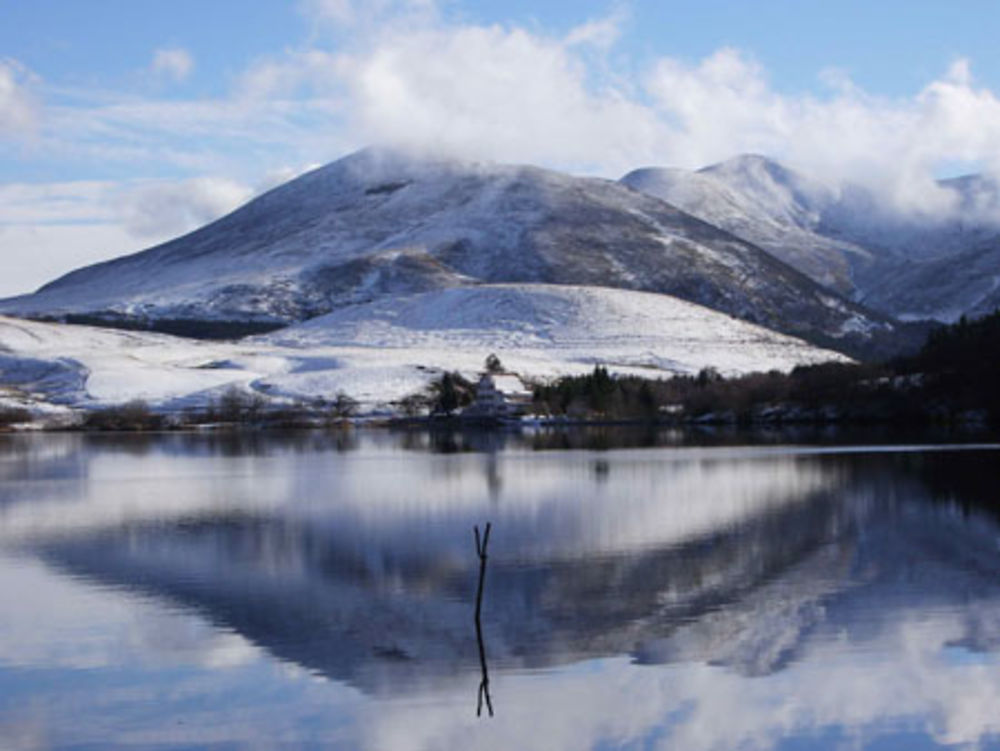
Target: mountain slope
{"type": "Point", "coordinates": [766, 204]}
{"type": "Point", "coordinates": [378, 223]}
{"type": "Point", "coordinates": [915, 266]}
{"type": "Point", "coordinates": [536, 323]}
{"type": "Point", "coordinates": [945, 289]}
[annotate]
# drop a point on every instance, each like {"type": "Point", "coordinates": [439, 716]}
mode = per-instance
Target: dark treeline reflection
{"type": "Point", "coordinates": [607, 437]}
{"type": "Point", "coordinates": [452, 440]}
{"type": "Point", "coordinates": [733, 558]}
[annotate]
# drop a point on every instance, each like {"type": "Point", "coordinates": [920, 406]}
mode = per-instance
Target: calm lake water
{"type": "Point", "coordinates": [317, 591]}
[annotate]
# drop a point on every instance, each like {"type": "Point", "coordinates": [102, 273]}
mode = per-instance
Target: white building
{"type": "Point", "coordinates": [500, 395]}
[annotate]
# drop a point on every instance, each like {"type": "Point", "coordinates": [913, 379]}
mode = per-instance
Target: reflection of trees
{"type": "Point", "coordinates": [494, 477]}
{"type": "Point", "coordinates": [237, 443]}
{"type": "Point", "coordinates": [36, 467]}
{"type": "Point", "coordinates": [967, 478]}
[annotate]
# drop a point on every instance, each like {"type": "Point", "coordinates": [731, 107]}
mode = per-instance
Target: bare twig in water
{"type": "Point", "coordinates": [484, 685]}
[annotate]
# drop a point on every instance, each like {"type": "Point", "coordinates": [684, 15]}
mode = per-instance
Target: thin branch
{"type": "Point", "coordinates": [484, 685]}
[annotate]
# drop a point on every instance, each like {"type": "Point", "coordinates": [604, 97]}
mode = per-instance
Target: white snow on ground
{"type": "Point", "coordinates": [382, 351]}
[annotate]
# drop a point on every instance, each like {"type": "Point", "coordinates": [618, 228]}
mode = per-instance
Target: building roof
{"type": "Point", "coordinates": [508, 384]}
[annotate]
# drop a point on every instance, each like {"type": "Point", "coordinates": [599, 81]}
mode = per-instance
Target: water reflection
{"type": "Point", "coordinates": [634, 596]}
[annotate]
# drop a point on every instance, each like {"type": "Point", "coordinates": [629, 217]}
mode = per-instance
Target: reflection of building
{"type": "Point", "coordinates": [500, 395]}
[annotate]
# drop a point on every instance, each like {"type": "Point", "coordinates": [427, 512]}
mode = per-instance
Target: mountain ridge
{"type": "Point", "coordinates": [908, 265]}
{"type": "Point", "coordinates": [380, 222]}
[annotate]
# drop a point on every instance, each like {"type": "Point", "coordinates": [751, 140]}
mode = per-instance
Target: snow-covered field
{"type": "Point", "coordinates": [382, 351]}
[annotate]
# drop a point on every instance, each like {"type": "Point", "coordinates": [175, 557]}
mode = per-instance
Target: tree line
{"type": "Point", "coordinates": [953, 378]}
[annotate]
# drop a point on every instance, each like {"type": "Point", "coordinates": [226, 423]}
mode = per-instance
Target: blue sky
{"type": "Point", "coordinates": [124, 123]}
{"type": "Point", "coordinates": [890, 47]}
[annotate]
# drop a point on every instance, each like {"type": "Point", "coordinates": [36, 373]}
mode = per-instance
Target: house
{"type": "Point", "coordinates": [499, 395]}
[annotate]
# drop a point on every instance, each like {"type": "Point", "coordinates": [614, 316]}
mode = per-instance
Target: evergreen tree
{"type": "Point", "coordinates": [447, 395]}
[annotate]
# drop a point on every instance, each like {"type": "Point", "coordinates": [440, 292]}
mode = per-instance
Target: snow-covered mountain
{"type": "Point", "coordinates": [382, 351]}
{"type": "Point", "coordinates": [905, 264]}
{"type": "Point", "coordinates": [766, 204]}
{"type": "Point", "coordinates": [382, 223]}
{"type": "Point", "coordinates": [966, 283]}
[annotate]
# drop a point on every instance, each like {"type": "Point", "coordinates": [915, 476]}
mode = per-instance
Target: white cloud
{"type": "Point", "coordinates": [333, 11]}
{"type": "Point", "coordinates": [512, 95]}
{"type": "Point", "coordinates": [237, 137]}
{"type": "Point", "coordinates": [725, 105]}
{"type": "Point", "coordinates": [275, 177]}
{"type": "Point", "coordinates": [170, 208]}
{"type": "Point", "coordinates": [34, 254]}
{"type": "Point", "coordinates": [65, 202]}
{"type": "Point", "coordinates": [49, 229]}
{"type": "Point", "coordinates": [18, 108]}
{"type": "Point", "coordinates": [311, 70]}
{"type": "Point", "coordinates": [600, 32]}
{"type": "Point", "coordinates": [495, 93]}
{"type": "Point", "coordinates": [509, 94]}
{"type": "Point", "coordinates": [367, 13]}
{"type": "Point", "coordinates": [174, 63]}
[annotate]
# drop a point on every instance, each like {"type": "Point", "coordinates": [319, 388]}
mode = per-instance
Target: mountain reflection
{"type": "Point", "coordinates": [727, 559]}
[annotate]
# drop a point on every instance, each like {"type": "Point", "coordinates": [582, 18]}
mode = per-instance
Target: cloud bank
{"type": "Point", "coordinates": [513, 95]}
{"type": "Point", "coordinates": [401, 72]}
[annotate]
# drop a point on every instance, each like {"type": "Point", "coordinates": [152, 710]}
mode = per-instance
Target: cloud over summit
{"type": "Point", "coordinates": [509, 93]}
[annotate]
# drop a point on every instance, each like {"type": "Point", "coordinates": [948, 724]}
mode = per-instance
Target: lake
{"type": "Point", "coordinates": [317, 590]}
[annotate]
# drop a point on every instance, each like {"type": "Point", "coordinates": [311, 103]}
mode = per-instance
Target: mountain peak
{"type": "Point", "coordinates": [748, 160]}
{"type": "Point", "coordinates": [756, 168]}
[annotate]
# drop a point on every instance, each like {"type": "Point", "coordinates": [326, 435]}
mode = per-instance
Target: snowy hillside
{"type": "Point", "coordinates": [382, 351]}
{"type": "Point", "coordinates": [907, 264]}
{"type": "Point", "coordinates": [766, 204]}
{"type": "Point", "coordinates": [967, 283]}
{"type": "Point", "coordinates": [380, 223]}
{"type": "Point", "coordinates": [556, 324]}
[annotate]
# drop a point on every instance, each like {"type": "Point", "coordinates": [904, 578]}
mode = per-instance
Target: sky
{"type": "Point", "coordinates": [123, 123]}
